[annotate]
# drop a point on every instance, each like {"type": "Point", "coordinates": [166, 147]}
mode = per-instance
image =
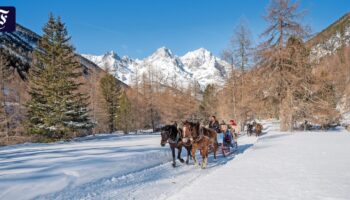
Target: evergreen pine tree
{"type": "Point", "coordinates": [110, 91]}
{"type": "Point", "coordinates": [56, 106]}
{"type": "Point", "coordinates": [208, 104]}
{"type": "Point", "coordinates": [4, 74]}
{"type": "Point", "coordinates": [124, 116]}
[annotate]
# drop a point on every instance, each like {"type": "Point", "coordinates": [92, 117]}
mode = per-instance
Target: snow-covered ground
{"type": "Point", "coordinates": [311, 165]}
{"type": "Point", "coordinates": [102, 167]}
{"type": "Point", "coordinates": [301, 165]}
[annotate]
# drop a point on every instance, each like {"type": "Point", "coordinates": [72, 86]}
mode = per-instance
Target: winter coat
{"type": "Point", "coordinates": [228, 136]}
{"type": "Point", "coordinates": [215, 125]}
{"type": "Point", "coordinates": [228, 139]}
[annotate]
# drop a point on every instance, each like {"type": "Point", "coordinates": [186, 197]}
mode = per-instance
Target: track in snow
{"type": "Point", "coordinates": [155, 182]}
{"type": "Point", "coordinates": [101, 167]}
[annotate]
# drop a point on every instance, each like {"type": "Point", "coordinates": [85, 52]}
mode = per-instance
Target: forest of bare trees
{"type": "Point", "coordinates": [273, 79]}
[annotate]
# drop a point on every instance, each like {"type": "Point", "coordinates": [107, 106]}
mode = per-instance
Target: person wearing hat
{"type": "Point", "coordinates": [234, 128]}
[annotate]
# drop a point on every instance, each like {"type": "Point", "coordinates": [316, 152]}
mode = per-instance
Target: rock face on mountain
{"type": "Point", "coordinates": [330, 43]}
{"type": "Point", "coordinates": [331, 39]}
{"type": "Point", "coordinates": [205, 67]}
{"type": "Point", "coordinates": [199, 66]}
{"type": "Point", "coordinates": [18, 47]}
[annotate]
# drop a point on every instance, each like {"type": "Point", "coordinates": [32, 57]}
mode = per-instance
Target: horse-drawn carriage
{"type": "Point", "coordinates": [228, 148]}
{"type": "Point", "coordinates": [227, 141]}
{"type": "Point", "coordinates": [254, 127]}
{"type": "Point", "coordinates": [195, 137]}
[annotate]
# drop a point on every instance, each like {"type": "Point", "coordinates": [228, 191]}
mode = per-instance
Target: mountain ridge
{"type": "Point", "coordinates": [330, 39]}
{"type": "Point", "coordinates": [197, 66]}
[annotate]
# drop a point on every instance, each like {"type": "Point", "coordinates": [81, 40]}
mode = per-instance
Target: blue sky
{"type": "Point", "coordinates": [138, 27]}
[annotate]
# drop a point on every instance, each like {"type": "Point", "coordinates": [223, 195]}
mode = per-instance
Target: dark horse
{"type": "Point", "coordinates": [250, 128]}
{"type": "Point", "coordinates": [201, 138]}
{"type": "Point", "coordinates": [254, 127]}
{"type": "Point", "coordinates": [172, 135]}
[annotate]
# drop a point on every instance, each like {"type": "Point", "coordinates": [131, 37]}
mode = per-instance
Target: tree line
{"type": "Point", "coordinates": [278, 79]}
{"type": "Point", "coordinates": [274, 79]}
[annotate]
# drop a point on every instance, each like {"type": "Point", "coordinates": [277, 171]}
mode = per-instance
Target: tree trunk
{"type": "Point", "coordinates": [286, 113]}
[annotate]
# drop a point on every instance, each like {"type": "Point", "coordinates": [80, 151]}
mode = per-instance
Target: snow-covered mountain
{"type": "Point", "coordinates": [327, 43]}
{"type": "Point", "coordinates": [331, 39]}
{"type": "Point", "coordinates": [196, 66]}
{"type": "Point", "coordinates": [112, 63]}
{"type": "Point", "coordinates": [205, 67]}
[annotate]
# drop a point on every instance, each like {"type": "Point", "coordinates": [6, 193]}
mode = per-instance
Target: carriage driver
{"type": "Point", "coordinates": [214, 124]}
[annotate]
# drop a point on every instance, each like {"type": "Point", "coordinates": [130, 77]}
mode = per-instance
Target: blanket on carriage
{"type": "Point", "coordinates": [226, 138]}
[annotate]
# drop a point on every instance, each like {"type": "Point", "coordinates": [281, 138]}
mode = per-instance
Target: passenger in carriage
{"type": "Point", "coordinates": [227, 137]}
{"type": "Point", "coordinates": [234, 128]}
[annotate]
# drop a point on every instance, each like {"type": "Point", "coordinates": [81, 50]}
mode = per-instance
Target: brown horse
{"type": "Point", "coordinates": [258, 129]}
{"type": "Point", "coordinates": [201, 138]}
{"type": "Point", "coordinates": [172, 135]}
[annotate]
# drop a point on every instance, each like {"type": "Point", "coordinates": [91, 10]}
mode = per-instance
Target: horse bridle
{"type": "Point", "coordinates": [170, 140]}
{"type": "Point", "coordinates": [186, 138]}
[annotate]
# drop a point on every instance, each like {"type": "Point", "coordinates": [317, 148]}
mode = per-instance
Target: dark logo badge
{"type": "Point", "coordinates": [7, 18]}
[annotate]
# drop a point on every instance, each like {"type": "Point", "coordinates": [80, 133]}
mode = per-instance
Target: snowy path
{"type": "Point", "coordinates": [106, 167]}
{"type": "Point", "coordinates": [311, 165]}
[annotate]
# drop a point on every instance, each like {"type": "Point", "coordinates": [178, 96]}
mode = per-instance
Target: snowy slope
{"type": "Point", "coordinates": [331, 39]}
{"type": "Point", "coordinates": [331, 44]}
{"type": "Point", "coordinates": [309, 165]}
{"type": "Point", "coordinates": [205, 67]}
{"type": "Point", "coordinates": [102, 167]}
{"type": "Point", "coordinates": [38, 169]}
{"type": "Point", "coordinates": [167, 68]}
{"type": "Point", "coordinates": [197, 66]}
{"type": "Point", "coordinates": [114, 64]}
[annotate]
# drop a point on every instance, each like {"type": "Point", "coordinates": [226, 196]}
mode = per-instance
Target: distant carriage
{"type": "Point", "coordinates": [250, 128]}
{"type": "Point", "coordinates": [258, 129]}
{"type": "Point", "coordinates": [254, 128]}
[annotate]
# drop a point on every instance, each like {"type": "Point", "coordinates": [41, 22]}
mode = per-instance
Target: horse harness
{"type": "Point", "coordinates": [200, 137]}
{"type": "Point", "coordinates": [172, 141]}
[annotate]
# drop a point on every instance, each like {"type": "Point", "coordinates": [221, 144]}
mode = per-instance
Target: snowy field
{"type": "Point", "coordinates": [302, 165]}
{"type": "Point", "coordinates": [311, 165]}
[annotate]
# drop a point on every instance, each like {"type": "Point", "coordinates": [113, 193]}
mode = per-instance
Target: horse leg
{"type": "Point", "coordinates": [215, 148]}
{"type": "Point", "coordinates": [206, 159]}
{"type": "Point", "coordinates": [179, 154]}
{"type": "Point", "coordinates": [194, 148]}
{"type": "Point", "coordinates": [188, 154]}
{"type": "Point", "coordinates": [204, 152]}
{"type": "Point", "coordinates": [173, 153]}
